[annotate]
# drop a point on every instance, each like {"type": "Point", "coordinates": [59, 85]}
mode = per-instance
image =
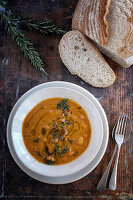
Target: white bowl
{"type": "Point", "coordinates": [74, 166]}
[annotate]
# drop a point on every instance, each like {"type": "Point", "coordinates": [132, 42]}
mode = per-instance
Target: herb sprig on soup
{"type": "Point", "coordinates": [56, 131]}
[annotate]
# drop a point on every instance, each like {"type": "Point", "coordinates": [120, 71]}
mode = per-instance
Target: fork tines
{"type": "Point", "coordinates": [121, 124]}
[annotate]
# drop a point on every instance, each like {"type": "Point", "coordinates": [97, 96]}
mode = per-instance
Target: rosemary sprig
{"type": "Point", "coordinates": [26, 46]}
{"type": "Point", "coordinates": [47, 27]}
{"type": "Point", "coordinates": [13, 25]}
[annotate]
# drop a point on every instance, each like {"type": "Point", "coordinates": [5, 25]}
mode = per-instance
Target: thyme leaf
{"type": "Point", "coordinates": [64, 150]}
{"type": "Point", "coordinates": [55, 134]}
{"type": "Point", "coordinates": [63, 105]}
{"type": "Point", "coordinates": [39, 153]}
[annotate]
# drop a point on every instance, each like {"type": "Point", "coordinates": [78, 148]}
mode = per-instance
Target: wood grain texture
{"type": "Point", "coordinates": [17, 76]}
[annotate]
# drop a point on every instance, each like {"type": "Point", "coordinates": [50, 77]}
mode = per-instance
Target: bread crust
{"type": "Point", "coordinates": [117, 17]}
{"type": "Point", "coordinates": [90, 18]}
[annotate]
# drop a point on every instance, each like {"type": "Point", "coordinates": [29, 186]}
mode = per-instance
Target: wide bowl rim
{"type": "Point", "coordinates": [85, 171]}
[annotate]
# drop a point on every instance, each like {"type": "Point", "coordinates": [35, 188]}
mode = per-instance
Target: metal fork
{"type": "Point", "coordinates": [119, 137]}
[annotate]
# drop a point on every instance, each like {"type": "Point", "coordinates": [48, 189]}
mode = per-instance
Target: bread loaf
{"type": "Point", "coordinates": [116, 19]}
{"type": "Point", "coordinates": [83, 59]}
{"type": "Point", "coordinates": [90, 19]}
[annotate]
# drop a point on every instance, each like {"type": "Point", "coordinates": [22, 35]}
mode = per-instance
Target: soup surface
{"type": "Point", "coordinates": [56, 131]}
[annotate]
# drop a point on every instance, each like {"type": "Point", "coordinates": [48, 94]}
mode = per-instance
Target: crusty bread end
{"type": "Point", "coordinates": [110, 25]}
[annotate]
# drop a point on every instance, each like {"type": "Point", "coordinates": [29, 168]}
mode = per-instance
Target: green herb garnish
{"type": "Point", "coordinates": [63, 105]}
{"type": "Point", "coordinates": [63, 124]}
{"type": "Point", "coordinates": [60, 137]}
{"type": "Point", "coordinates": [55, 134]}
{"type": "Point", "coordinates": [66, 108]}
{"type": "Point", "coordinates": [67, 114]}
{"type": "Point", "coordinates": [39, 153]}
{"type": "Point", "coordinates": [59, 106]}
{"type": "Point", "coordinates": [50, 162]}
{"type": "Point", "coordinates": [64, 101]}
{"type": "Point", "coordinates": [56, 147]}
{"type": "Point", "coordinates": [64, 150]}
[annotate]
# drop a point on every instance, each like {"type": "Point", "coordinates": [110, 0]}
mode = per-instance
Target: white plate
{"type": "Point", "coordinates": [90, 166]}
{"type": "Point", "coordinates": [62, 170]}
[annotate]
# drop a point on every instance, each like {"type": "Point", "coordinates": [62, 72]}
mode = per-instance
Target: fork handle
{"type": "Point", "coordinates": [113, 179]}
{"type": "Point", "coordinates": [103, 182]}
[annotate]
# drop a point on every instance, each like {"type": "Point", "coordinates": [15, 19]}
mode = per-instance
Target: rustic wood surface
{"type": "Point", "coordinates": [17, 76]}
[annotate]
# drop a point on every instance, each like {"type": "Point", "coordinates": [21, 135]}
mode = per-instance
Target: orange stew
{"type": "Point", "coordinates": [56, 131]}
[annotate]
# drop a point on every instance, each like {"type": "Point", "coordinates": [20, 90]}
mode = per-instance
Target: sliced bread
{"type": "Point", "coordinates": [119, 44]}
{"type": "Point", "coordinates": [83, 59]}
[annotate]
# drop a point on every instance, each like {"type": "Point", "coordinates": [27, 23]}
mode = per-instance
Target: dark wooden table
{"type": "Point", "coordinates": [17, 76]}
